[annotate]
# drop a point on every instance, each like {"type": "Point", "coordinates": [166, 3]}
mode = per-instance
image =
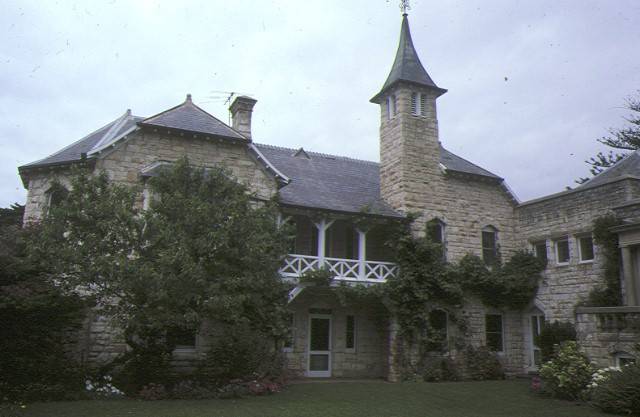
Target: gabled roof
{"type": "Point", "coordinates": [407, 66]}
{"type": "Point", "coordinates": [628, 167]}
{"type": "Point", "coordinates": [188, 117]}
{"type": "Point", "coordinates": [89, 144]}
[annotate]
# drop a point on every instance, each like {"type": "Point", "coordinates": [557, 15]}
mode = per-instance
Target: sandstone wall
{"type": "Point", "coordinates": [605, 332]}
{"type": "Point", "coordinates": [570, 214]}
{"type": "Point", "coordinates": [143, 148]}
{"type": "Point", "coordinates": [367, 360]}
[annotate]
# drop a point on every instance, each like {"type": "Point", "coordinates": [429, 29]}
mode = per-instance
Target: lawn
{"type": "Point", "coordinates": [342, 399]}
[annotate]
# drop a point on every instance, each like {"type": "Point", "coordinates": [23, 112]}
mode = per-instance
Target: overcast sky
{"type": "Point", "coordinates": [532, 84]}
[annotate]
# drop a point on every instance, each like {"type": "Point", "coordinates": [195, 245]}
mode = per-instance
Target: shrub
{"type": "Point", "coordinates": [552, 335]}
{"type": "Point", "coordinates": [141, 367]}
{"type": "Point", "coordinates": [242, 353]}
{"type": "Point", "coordinates": [482, 364]}
{"type": "Point", "coordinates": [438, 369]}
{"type": "Point", "coordinates": [38, 318]}
{"type": "Point", "coordinates": [619, 392]}
{"type": "Point", "coordinates": [568, 373]}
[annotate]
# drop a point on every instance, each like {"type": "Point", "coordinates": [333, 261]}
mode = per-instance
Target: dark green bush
{"type": "Point", "coordinates": [552, 335]}
{"type": "Point", "coordinates": [482, 364]}
{"type": "Point", "coordinates": [38, 319]}
{"type": "Point", "coordinates": [143, 367]}
{"type": "Point", "coordinates": [438, 369]}
{"type": "Point", "coordinates": [239, 352]}
{"type": "Point", "coordinates": [620, 392]}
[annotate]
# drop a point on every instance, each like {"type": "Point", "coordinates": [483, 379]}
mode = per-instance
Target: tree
{"type": "Point", "coordinates": [204, 251]}
{"type": "Point", "coordinates": [36, 315]}
{"type": "Point", "coordinates": [624, 139]}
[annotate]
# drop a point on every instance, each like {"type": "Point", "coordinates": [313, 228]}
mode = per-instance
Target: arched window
{"type": "Point", "coordinates": [415, 104]}
{"type": "Point", "coordinates": [436, 233]}
{"type": "Point", "coordinates": [56, 195]}
{"type": "Point", "coordinates": [490, 245]}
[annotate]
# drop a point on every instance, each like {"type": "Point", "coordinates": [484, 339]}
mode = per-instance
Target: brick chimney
{"type": "Point", "coordinates": [241, 109]}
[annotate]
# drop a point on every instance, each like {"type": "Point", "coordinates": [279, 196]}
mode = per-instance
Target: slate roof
{"type": "Point", "coordinates": [629, 166]}
{"type": "Point", "coordinates": [453, 162]}
{"type": "Point", "coordinates": [407, 66]}
{"type": "Point", "coordinates": [328, 182]}
{"type": "Point", "coordinates": [309, 179]}
{"type": "Point", "coordinates": [343, 184]}
{"type": "Point", "coordinates": [190, 118]}
{"type": "Point", "coordinates": [93, 141]}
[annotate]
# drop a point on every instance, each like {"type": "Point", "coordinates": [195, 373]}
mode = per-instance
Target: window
{"type": "Point", "coordinates": [490, 245]}
{"type": "Point", "coordinates": [56, 195]}
{"type": "Point", "coordinates": [350, 333]}
{"type": "Point", "coordinates": [623, 359]}
{"type": "Point", "coordinates": [562, 251]}
{"type": "Point", "coordinates": [537, 322]}
{"type": "Point", "coordinates": [438, 340]}
{"type": "Point", "coordinates": [288, 338]}
{"type": "Point", "coordinates": [585, 248]}
{"type": "Point", "coordinates": [415, 104]}
{"type": "Point", "coordinates": [418, 104]}
{"type": "Point", "coordinates": [435, 233]}
{"type": "Point", "coordinates": [182, 337]}
{"type": "Point", "coordinates": [540, 250]}
{"type": "Point", "coordinates": [493, 331]}
{"type": "Point", "coordinates": [392, 106]}
{"type": "Point", "coordinates": [351, 242]}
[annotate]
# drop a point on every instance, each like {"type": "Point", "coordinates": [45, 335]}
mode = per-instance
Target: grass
{"type": "Point", "coordinates": [342, 399]}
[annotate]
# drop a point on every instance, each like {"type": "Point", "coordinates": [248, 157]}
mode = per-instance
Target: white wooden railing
{"type": "Point", "coordinates": [343, 269]}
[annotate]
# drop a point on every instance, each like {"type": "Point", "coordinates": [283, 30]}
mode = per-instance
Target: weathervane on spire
{"type": "Point", "coordinates": [404, 6]}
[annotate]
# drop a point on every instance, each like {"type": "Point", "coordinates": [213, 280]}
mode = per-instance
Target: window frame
{"type": "Point", "coordinates": [579, 240]}
{"type": "Point", "coordinates": [493, 230]}
{"type": "Point", "coordinates": [354, 333]}
{"type": "Point", "coordinates": [487, 332]}
{"type": "Point", "coordinates": [623, 356]}
{"type": "Point", "coordinates": [556, 253]}
{"type": "Point", "coordinates": [535, 245]}
{"type": "Point", "coordinates": [188, 348]}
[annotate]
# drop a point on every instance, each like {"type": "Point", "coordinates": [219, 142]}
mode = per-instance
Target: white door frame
{"type": "Point", "coordinates": [531, 347]}
{"type": "Point", "coordinates": [319, 374]}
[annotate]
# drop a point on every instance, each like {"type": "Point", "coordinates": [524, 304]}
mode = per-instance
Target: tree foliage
{"type": "Point", "coordinates": [620, 139]}
{"type": "Point", "coordinates": [36, 315]}
{"type": "Point", "coordinates": [203, 251]}
{"type": "Point", "coordinates": [609, 294]}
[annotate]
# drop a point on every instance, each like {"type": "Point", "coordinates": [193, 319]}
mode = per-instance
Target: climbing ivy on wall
{"type": "Point", "coordinates": [610, 293]}
{"type": "Point", "coordinates": [426, 281]}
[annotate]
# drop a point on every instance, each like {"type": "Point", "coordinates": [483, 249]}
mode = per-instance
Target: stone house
{"type": "Point", "coordinates": [341, 207]}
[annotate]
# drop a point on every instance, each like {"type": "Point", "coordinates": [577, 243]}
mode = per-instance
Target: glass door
{"type": "Point", "coordinates": [319, 363]}
{"type": "Point", "coordinates": [537, 322]}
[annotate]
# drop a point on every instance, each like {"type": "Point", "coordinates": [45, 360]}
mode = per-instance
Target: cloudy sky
{"type": "Point", "coordinates": [532, 84]}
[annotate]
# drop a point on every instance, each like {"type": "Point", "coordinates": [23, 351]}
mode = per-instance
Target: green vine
{"type": "Point", "coordinates": [609, 294]}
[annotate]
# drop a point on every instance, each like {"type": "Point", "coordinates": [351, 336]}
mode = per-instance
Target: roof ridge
{"type": "Point", "coordinates": [75, 142]}
{"type": "Point", "coordinates": [320, 154]}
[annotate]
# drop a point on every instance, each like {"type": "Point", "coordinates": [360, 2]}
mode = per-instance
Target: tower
{"type": "Point", "coordinates": [409, 146]}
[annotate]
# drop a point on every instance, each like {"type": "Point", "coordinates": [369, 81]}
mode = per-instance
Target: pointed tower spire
{"type": "Point", "coordinates": [407, 66]}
